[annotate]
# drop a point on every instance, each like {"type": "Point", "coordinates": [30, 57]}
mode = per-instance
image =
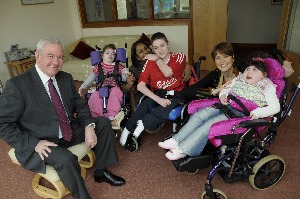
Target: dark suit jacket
{"type": "Point", "coordinates": [27, 114]}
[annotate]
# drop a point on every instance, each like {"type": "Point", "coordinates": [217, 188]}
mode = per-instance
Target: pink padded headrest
{"type": "Point", "coordinates": [274, 69]}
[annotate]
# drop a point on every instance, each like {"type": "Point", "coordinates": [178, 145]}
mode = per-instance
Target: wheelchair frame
{"type": "Point", "coordinates": [235, 163]}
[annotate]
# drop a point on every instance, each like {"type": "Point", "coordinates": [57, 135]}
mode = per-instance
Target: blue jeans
{"type": "Point", "coordinates": [193, 136]}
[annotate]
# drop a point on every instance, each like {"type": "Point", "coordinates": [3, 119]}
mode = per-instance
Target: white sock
{"type": "Point", "coordinates": [124, 136]}
{"type": "Point", "coordinates": [139, 129]}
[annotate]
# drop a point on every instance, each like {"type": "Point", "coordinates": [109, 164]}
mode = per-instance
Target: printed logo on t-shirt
{"type": "Point", "coordinates": [166, 84]}
{"type": "Point", "coordinates": [180, 57]}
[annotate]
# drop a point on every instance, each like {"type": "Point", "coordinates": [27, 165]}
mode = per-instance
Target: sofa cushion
{"type": "Point", "coordinates": [73, 45]}
{"type": "Point", "coordinates": [82, 50]}
{"type": "Point", "coordinates": [144, 38]}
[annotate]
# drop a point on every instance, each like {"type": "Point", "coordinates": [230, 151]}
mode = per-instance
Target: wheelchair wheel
{"type": "Point", "coordinates": [218, 194]}
{"type": "Point", "coordinates": [153, 131]}
{"type": "Point", "coordinates": [267, 172]}
{"type": "Point", "coordinates": [193, 171]}
{"type": "Point", "coordinates": [132, 144]}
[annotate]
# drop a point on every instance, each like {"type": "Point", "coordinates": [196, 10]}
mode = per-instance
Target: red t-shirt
{"type": "Point", "coordinates": [152, 75]}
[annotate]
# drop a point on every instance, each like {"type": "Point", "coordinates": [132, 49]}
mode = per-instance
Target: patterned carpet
{"type": "Point", "coordinates": [150, 175]}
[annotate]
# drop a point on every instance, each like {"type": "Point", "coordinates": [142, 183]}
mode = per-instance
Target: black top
{"type": "Point", "coordinates": [202, 88]}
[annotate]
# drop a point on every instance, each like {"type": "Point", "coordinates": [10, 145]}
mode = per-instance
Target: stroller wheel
{"type": "Point", "coordinates": [132, 144]}
{"type": "Point", "coordinates": [153, 131]}
{"type": "Point", "coordinates": [267, 172]}
{"type": "Point", "coordinates": [218, 194]}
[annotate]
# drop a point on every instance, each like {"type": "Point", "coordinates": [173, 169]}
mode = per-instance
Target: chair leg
{"type": "Point", "coordinates": [88, 164]}
{"type": "Point", "coordinates": [57, 193]}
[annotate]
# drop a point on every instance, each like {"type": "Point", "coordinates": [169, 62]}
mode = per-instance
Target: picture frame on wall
{"type": "Point", "coordinates": [32, 2]}
{"type": "Point", "coordinates": [276, 2]}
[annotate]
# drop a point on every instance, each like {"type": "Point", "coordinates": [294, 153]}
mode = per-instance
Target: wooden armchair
{"type": "Point", "coordinates": [51, 175]}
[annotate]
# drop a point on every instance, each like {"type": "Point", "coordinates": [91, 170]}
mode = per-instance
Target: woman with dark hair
{"type": "Point", "coordinates": [213, 82]}
{"type": "Point", "coordinates": [139, 50]}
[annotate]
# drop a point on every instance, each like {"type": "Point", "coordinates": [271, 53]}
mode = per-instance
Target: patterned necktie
{"type": "Point", "coordinates": [60, 112]}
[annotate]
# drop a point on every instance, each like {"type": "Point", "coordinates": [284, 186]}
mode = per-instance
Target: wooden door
{"type": "Point", "coordinates": [209, 28]}
{"type": "Point", "coordinates": [286, 8]}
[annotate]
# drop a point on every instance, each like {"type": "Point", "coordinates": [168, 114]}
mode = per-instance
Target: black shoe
{"type": "Point", "coordinates": [132, 144]}
{"type": "Point", "coordinates": [109, 178]}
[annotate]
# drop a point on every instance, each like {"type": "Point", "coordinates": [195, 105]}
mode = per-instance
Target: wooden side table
{"type": "Point", "coordinates": [18, 67]}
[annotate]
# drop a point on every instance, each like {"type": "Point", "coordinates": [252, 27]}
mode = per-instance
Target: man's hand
{"type": "Point", "coordinates": [42, 148]}
{"type": "Point", "coordinates": [90, 137]}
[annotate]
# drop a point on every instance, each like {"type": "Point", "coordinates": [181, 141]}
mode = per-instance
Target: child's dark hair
{"type": "Point", "coordinates": [224, 48]}
{"type": "Point", "coordinates": [134, 59]}
{"type": "Point", "coordinates": [259, 64]}
{"type": "Point", "coordinates": [159, 35]}
{"type": "Point", "coordinates": [109, 46]}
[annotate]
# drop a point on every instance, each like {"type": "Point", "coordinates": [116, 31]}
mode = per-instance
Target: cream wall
{"type": "Point", "coordinates": [177, 35]}
{"type": "Point", "coordinates": [25, 25]}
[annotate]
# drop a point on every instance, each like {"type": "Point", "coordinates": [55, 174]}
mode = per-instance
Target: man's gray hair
{"type": "Point", "coordinates": [47, 40]}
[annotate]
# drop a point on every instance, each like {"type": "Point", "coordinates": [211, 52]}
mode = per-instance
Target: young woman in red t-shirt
{"type": "Point", "coordinates": [161, 77]}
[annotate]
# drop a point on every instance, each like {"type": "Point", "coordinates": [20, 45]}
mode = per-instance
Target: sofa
{"type": "Point", "coordinates": [77, 60]}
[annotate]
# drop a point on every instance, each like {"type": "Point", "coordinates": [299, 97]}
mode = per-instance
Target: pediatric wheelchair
{"type": "Point", "coordinates": [104, 91]}
{"type": "Point", "coordinates": [239, 151]}
{"type": "Point", "coordinates": [178, 116]}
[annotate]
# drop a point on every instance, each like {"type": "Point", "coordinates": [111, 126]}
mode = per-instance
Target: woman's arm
{"type": "Point", "coordinates": [187, 72]}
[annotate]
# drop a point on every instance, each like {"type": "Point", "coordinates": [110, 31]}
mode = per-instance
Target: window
{"type": "Point", "coordinates": [118, 13]}
{"type": "Point", "coordinates": [171, 9]}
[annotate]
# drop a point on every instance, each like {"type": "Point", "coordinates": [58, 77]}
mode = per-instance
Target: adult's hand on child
{"type": "Point", "coordinates": [164, 102]}
{"type": "Point", "coordinates": [227, 84]}
{"type": "Point", "coordinates": [223, 100]}
{"type": "Point", "coordinates": [130, 78]}
{"type": "Point", "coordinates": [42, 148]}
{"type": "Point", "coordinates": [187, 73]}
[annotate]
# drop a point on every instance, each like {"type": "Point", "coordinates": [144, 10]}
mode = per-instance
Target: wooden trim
{"type": "Point", "coordinates": [253, 45]}
{"type": "Point", "coordinates": [127, 23]}
{"type": "Point", "coordinates": [114, 11]}
{"type": "Point", "coordinates": [285, 14]}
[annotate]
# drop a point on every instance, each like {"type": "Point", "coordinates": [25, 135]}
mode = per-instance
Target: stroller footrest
{"type": "Point", "coordinates": [191, 164]}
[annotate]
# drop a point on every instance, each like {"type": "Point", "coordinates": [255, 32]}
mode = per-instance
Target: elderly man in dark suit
{"type": "Point", "coordinates": [40, 132]}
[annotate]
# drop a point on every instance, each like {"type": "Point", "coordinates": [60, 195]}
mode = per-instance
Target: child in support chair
{"type": "Point", "coordinates": [163, 73]}
{"type": "Point", "coordinates": [115, 93]}
{"type": "Point", "coordinates": [252, 85]}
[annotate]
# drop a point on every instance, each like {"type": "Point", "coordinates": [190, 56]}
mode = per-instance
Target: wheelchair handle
{"type": "Point", "coordinates": [202, 58]}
